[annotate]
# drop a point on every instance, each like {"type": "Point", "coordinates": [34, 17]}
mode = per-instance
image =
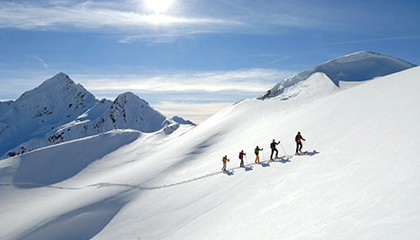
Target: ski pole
{"type": "Point", "coordinates": [263, 155]}
{"type": "Point", "coordinates": [283, 150]}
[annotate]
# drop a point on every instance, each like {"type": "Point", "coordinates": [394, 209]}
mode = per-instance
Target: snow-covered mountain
{"type": "Point", "coordinates": [60, 110]}
{"type": "Point", "coordinates": [358, 180]}
{"type": "Point", "coordinates": [356, 67]}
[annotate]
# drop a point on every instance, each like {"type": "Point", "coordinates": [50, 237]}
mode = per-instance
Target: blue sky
{"type": "Point", "coordinates": [192, 57]}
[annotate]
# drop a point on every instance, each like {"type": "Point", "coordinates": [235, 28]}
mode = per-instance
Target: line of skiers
{"type": "Point", "coordinates": [273, 144]}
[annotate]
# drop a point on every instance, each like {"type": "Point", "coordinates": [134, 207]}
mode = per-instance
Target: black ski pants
{"type": "Point", "coordinates": [298, 146]}
{"type": "Point", "coordinates": [272, 152]}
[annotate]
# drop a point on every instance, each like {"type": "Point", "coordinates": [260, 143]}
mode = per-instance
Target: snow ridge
{"type": "Point", "coordinates": [359, 66]}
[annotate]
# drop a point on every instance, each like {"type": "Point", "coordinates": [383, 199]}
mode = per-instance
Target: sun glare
{"type": "Point", "coordinates": [158, 6]}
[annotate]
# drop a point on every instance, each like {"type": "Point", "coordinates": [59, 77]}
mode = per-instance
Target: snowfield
{"type": "Point", "coordinates": [359, 180]}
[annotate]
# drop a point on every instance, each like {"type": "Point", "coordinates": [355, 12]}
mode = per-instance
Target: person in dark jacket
{"type": "Point", "coordinates": [274, 149]}
{"type": "Point", "coordinates": [298, 140]}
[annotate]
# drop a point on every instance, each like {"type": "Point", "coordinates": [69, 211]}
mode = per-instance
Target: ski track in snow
{"type": "Point", "coordinates": [248, 167]}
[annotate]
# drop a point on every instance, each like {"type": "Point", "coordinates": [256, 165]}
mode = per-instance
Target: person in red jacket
{"type": "Point", "coordinates": [298, 140]}
{"type": "Point", "coordinates": [241, 157]}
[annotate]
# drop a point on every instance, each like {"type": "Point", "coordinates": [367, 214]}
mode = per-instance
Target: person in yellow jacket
{"type": "Point", "coordinates": [224, 160]}
{"type": "Point", "coordinates": [257, 152]}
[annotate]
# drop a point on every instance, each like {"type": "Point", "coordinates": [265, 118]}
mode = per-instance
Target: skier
{"type": "Point", "coordinates": [224, 160]}
{"type": "Point", "coordinates": [298, 140]}
{"type": "Point", "coordinates": [257, 152]}
{"type": "Point", "coordinates": [241, 157]}
{"type": "Point", "coordinates": [274, 149]}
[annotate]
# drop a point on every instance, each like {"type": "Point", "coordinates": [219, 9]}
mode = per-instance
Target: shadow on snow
{"type": "Point", "coordinates": [81, 223]}
{"type": "Point", "coordinates": [43, 168]}
{"type": "Point", "coordinates": [309, 153]}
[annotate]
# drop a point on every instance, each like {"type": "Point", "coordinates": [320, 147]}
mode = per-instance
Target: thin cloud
{"type": "Point", "coordinates": [41, 61]}
{"type": "Point", "coordinates": [168, 37]}
{"type": "Point", "coordinates": [373, 40]}
{"type": "Point", "coordinates": [276, 58]}
{"type": "Point", "coordinates": [133, 24]}
{"type": "Point", "coordinates": [155, 82]}
{"type": "Point", "coordinates": [249, 80]}
{"type": "Point", "coordinates": [196, 112]}
{"type": "Point", "coordinates": [293, 21]}
{"type": "Point", "coordinates": [25, 16]}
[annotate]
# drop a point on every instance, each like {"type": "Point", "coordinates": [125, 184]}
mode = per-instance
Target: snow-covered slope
{"type": "Point", "coordinates": [356, 67]}
{"type": "Point", "coordinates": [359, 179]}
{"type": "Point", "coordinates": [60, 110]}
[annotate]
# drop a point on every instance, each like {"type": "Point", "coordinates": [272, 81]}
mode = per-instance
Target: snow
{"type": "Point", "coordinates": [38, 169]}
{"type": "Point", "coordinates": [315, 86]}
{"type": "Point", "coordinates": [355, 67]}
{"type": "Point", "coordinates": [359, 179]}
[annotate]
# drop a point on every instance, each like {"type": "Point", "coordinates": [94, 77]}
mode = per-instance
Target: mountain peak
{"type": "Point", "coordinates": [56, 87]}
{"type": "Point", "coordinates": [61, 75]}
{"type": "Point", "coordinates": [369, 56]}
{"type": "Point", "coordinates": [129, 96]}
{"type": "Point", "coordinates": [358, 66]}
{"type": "Point", "coordinates": [59, 79]}
{"type": "Point", "coordinates": [130, 111]}
{"type": "Point", "coordinates": [55, 102]}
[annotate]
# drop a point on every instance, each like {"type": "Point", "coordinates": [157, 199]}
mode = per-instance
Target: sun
{"type": "Point", "coordinates": [158, 6]}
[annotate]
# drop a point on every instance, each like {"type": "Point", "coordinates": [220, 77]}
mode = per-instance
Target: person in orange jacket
{"type": "Point", "coordinates": [298, 140]}
{"type": "Point", "coordinates": [257, 152]}
{"type": "Point", "coordinates": [224, 160]}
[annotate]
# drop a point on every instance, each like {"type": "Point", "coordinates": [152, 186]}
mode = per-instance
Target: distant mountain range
{"type": "Point", "coordinates": [60, 110]}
